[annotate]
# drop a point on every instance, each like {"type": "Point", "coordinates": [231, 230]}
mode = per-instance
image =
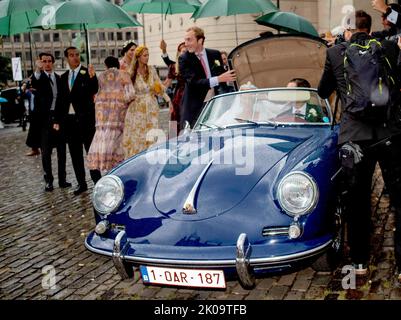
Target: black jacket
{"type": "Point", "coordinates": [168, 61]}
{"type": "Point", "coordinates": [82, 98]}
{"type": "Point", "coordinates": [333, 79]}
{"type": "Point", "coordinates": [44, 97]}
{"type": "Point", "coordinates": [196, 83]}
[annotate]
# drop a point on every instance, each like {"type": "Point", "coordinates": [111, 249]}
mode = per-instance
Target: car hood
{"type": "Point", "coordinates": [272, 61]}
{"type": "Point", "coordinates": [222, 177]}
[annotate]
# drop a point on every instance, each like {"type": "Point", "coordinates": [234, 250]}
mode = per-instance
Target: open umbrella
{"type": "Point", "coordinates": [212, 8]}
{"type": "Point", "coordinates": [288, 22]}
{"type": "Point", "coordinates": [16, 16]}
{"type": "Point", "coordinates": [161, 6]}
{"type": "Point", "coordinates": [85, 14]}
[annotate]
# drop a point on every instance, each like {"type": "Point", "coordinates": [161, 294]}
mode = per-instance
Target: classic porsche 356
{"type": "Point", "coordinates": [249, 190]}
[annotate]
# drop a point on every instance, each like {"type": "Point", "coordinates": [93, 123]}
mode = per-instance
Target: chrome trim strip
{"type": "Point", "coordinates": [242, 265]}
{"type": "Point", "coordinates": [266, 232]}
{"type": "Point", "coordinates": [189, 205]}
{"type": "Point", "coordinates": [216, 263]}
{"type": "Point", "coordinates": [120, 245]}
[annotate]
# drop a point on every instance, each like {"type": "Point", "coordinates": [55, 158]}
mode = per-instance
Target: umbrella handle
{"type": "Point", "coordinates": [88, 56]}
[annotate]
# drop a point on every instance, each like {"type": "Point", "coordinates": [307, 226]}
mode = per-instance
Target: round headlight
{"type": "Point", "coordinates": [298, 193]}
{"type": "Point", "coordinates": [108, 194]}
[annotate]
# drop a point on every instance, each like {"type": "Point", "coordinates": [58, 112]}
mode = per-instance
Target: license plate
{"type": "Point", "coordinates": [183, 277]}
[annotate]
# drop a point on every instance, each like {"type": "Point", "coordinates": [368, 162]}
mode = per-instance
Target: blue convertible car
{"type": "Point", "coordinates": [250, 189]}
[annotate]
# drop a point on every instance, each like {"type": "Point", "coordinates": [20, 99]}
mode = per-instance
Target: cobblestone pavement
{"type": "Point", "coordinates": [44, 233]}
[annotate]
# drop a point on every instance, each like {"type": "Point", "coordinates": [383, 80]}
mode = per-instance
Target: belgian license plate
{"type": "Point", "coordinates": [183, 277]}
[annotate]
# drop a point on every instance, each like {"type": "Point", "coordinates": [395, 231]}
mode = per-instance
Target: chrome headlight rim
{"type": "Point", "coordinates": [313, 202]}
{"type": "Point", "coordinates": [120, 184]}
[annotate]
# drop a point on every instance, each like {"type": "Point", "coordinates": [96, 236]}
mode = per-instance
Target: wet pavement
{"type": "Point", "coordinates": [42, 252]}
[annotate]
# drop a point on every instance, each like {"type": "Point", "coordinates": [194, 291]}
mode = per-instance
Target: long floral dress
{"type": "Point", "coordinates": [111, 103]}
{"type": "Point", "coordinates": [143, 113]}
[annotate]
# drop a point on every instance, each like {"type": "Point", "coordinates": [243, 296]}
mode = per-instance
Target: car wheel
{"type": "Point", "coordinates": [330, 259]}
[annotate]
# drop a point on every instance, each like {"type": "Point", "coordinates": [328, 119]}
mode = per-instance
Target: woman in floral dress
{"type": "Point", "coordinates": [115, 93]}
{"type": "Point", "coordinates": [143, 113]}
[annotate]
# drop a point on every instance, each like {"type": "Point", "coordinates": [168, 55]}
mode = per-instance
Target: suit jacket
{"type": "Point", "coordinates": [332, 79]}
{"type": "Point", "coordinates": [43, 98]}
{"type": "Point", "coordinates": [81, 97]}
{"type": "Point", "coordinates": [313, 113]}
{"type": "Point", "coordinates": [168, 61]}
{"type": "Point", "coordinates": [196, 83]}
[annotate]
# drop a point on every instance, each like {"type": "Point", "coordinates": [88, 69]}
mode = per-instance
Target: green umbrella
{"type": "Point", "coordinates": [85, 14]}
{"type": "Point", "coordinates": [17, 22]}
{"type": "Point", "coordinates": [16, 16]}
{"type": "Point", "coordinates": [212, 8]}
{"type": "Point", "coordinates": [161, 6]}
{"type": "Point", "coordinates": [10, 7]}
{"type": "Point", "coordinates": [288, 22]}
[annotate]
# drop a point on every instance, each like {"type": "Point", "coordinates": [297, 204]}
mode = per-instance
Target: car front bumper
{"type": "Point", "coordinates": [242, 262]}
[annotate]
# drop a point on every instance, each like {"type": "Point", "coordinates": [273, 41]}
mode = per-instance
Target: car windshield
{"type": "Point", "coordinates": [281, 106]}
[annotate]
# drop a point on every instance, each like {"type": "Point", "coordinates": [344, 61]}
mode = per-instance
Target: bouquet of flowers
{"type": "Point", "coordinates": [157, 88]}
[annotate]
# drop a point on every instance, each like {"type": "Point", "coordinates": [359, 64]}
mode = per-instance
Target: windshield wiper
{"type": "Point", "coordinates": [269, 122]}
{"type": "Point", "coordinates": [247, 121]}
{"type": "Point", "coordinates": [211, 126]}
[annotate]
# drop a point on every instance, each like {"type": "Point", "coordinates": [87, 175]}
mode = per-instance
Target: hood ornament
{"type": "Point", "coordinates": [189, 205]}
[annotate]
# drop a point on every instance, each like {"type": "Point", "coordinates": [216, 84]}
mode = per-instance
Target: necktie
{"type": "Point", "coordinates": [299, 115]}
{"type": "Point", "coordinates": [200, 56]}
{"type": "Point", "coordinates": [50, 78]}
{"type": "Point", "coordinates": [72, 79]}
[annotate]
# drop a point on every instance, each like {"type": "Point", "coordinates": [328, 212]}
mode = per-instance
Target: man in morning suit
{"type": "Point", "coordinates": [47, 97]}
{"type": "Point", "coordinates": [77, 111]}
{"type": "Point", "coordinates": [203, 72]}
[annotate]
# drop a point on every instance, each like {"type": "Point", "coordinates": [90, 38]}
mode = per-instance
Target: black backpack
{"type": "Point", "coordinates": [371, 88]}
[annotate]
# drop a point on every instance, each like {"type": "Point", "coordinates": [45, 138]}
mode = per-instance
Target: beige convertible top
{"type": "Point", "coordinates": [273, 61]}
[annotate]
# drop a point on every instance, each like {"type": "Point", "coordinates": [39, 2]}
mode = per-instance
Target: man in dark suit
{"type": "Point", "coordinates": [47, 97]}
{"type": "Point", "coordinates": [378, 142]}
{"type": "Point", "coordinates": [304, 111]}
{"type": "Point", "coordinates": [229, 85]}
{"type": "Point", "coordinates": [77, 112]}
{"type": "Point", "coordinates": [203, 72]}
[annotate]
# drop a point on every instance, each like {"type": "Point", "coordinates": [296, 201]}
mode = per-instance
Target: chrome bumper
{"type": "Point", "coordinates": [243, 263]}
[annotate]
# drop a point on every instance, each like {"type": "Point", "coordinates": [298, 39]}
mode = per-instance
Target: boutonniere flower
{"type": "Point", "coordinates": [217, 63]}
{"type": "Point", "coordinates": [312, 112]}
{"type": "Point", "coordinates": [82, 72]}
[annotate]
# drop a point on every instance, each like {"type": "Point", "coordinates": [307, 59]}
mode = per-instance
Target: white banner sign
{"type": "Point", "coordinates": [17, 69]}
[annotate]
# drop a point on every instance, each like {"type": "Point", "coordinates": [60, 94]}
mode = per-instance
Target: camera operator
{"type": "Point", "coordinates": [390, 32]}
{"type": "Point", "coordinates": [368, 143]}
{"type": "Point", "coordinates": [391, 14]}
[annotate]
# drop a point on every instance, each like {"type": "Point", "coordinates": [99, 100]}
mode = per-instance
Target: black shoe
{"type": "Point", "coordinates": [64, 184]}
{"type": "Point", "coordinates": [80, 189]}
{"type": "Point", "coordinates": [49, 186]}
